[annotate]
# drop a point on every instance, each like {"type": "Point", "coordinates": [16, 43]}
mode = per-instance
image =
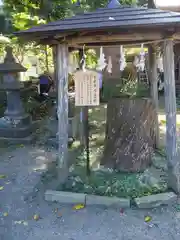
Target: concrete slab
{"type": "Point", "coordinates": [156, 200]}
{"type": "Point", "coordinates": [65, 197]}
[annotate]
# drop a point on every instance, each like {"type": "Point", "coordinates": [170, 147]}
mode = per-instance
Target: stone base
{"type": "Point", "coordinates": [15, 132]}
{"type": "Point", "coordinates": [16, 127]}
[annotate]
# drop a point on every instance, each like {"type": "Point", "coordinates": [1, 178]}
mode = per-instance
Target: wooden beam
{"type": "Point", "coordinates": [62, 73]}
{"type": "Point", "coordinates": [153, 77]}
{"type": "Point", "coordinates": [114, 38]}
{"type": "Point", "coordinates": [170, 108]}
{"type": "Point", "coordinates": [112, 44]}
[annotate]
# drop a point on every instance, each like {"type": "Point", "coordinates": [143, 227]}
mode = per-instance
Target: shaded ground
{"type": "Point", "coordinates": [19, 171]}
{"type": "Point", "coordinates": [62, 222]}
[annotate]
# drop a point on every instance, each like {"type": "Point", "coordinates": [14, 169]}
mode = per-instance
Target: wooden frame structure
{"type": "Point", "coordinates": [117, 26]}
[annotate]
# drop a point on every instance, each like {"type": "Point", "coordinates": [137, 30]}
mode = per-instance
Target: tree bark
{"type": "Point", "coordinates": [151, 4]}
{"type": "Point", "coordinates": [129, 134]}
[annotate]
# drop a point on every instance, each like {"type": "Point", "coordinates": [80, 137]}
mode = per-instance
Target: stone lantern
{"type": "Point", "coordinates": [15, 124]}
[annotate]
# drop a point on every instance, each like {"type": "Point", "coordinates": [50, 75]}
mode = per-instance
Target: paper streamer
{"type": "Point", "coordinates": [122, 59]}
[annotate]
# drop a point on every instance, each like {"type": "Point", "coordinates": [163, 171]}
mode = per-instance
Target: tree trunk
{"type": "Point", "coordinates": [130, 134]}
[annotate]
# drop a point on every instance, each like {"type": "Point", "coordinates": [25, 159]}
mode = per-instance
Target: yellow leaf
{"type": "Point", "coordinates": [5, 214]}
{"type": "Point", "coordinates": [21, 145]}
{"type": "Point", "coordinates": [36, 217]}
{"type": "Point", "coordinates": [147, 219]}
{"type": "Point", "coordinates": [78, 206]}
{"type": "Point", "coordinates": [2, 176]}
{"type": "Point", "coordinates": [1, 188]}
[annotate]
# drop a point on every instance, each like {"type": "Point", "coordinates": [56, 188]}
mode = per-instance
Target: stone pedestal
{"type": "Point", "coordinates": [15, 124]}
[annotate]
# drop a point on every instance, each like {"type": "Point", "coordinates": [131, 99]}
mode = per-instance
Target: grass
{"type": "Point", "coordinates": [104, 182]}
{"type": "Point", "coordinates": [107, 183]}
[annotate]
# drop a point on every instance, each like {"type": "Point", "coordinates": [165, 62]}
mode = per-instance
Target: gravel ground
{"type": "Point", "coordinates": [65, 223]}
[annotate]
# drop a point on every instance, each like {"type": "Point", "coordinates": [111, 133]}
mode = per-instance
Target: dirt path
{"type": "Point", "coordinates": [62, 222]}
{"type": "Point", "coordinates": [20, 172]}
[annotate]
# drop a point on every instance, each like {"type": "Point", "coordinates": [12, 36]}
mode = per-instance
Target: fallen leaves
{"type": "Point", "coordinates": [1, 188]}
{"type": "Point", "coordinates": [147, 218]}
{"type": "Point", "coordinates": [78, 207]}
{"type": "Point", "coordinates": [36, 217]}
{"type": "Point", "coordinates": [21, 145]}
{"type": "Point", "coordinates": [7, 182]}
{"type": "Point", "coordinates": [2, 176]}
{"type": "Point", "coordinates": [5, 214]}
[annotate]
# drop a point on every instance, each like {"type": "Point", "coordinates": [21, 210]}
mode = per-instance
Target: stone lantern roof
{"type": "Point", "coordinates": [10, 65]}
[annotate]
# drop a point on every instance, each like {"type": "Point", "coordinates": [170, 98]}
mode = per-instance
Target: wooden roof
{"type": "Point", "coordinates": [119, 20]}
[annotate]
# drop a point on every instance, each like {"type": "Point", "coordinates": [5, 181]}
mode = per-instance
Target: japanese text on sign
{"type": "Point", "coordinates": [86, 88]}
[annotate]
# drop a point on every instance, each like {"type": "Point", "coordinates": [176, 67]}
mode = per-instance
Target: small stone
{"type": "Point", "coordinates": [156, 200]}
{"type": "Point", "coordinates": [25, 223]}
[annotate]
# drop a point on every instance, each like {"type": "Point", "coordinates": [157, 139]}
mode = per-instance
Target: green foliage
{"type": "Point", "coordinates": [57, 9]}
{"type": "Point", "coordinates": [21, 15]}
{"type": "Point", "coordinates": [91, 58]}
{"type": "Point", "coordinates": [23, 21]}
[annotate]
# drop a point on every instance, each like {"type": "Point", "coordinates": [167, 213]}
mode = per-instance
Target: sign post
{"type": "Point", "coordinates": [86, 95]}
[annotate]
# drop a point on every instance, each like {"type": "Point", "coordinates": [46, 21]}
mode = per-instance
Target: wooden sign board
{"type": "Point", "coordinates": [86, 88]}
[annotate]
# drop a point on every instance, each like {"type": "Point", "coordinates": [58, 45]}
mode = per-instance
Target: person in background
{"type": "Point", "coordinates": [45, 82]}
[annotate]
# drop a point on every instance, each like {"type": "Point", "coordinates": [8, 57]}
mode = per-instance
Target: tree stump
{"type": "Point", "coordinates": [130, 134]}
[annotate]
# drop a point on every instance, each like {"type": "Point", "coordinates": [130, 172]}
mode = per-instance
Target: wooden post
{"type": "Point", "coordinates": [85, 123]}
{"type": "Point", "coordinates": [62, 72]}
{"type": "Point", "coordinates": [151, 4]}
{"type": "Point", "coordinates": [55, 75]}
{"type": "Point", "coordinates": [153, 77]}
{"type": "Point", "coordinates": [170, 108]}
{"type": "Point", "coordinates": [46, 58]}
